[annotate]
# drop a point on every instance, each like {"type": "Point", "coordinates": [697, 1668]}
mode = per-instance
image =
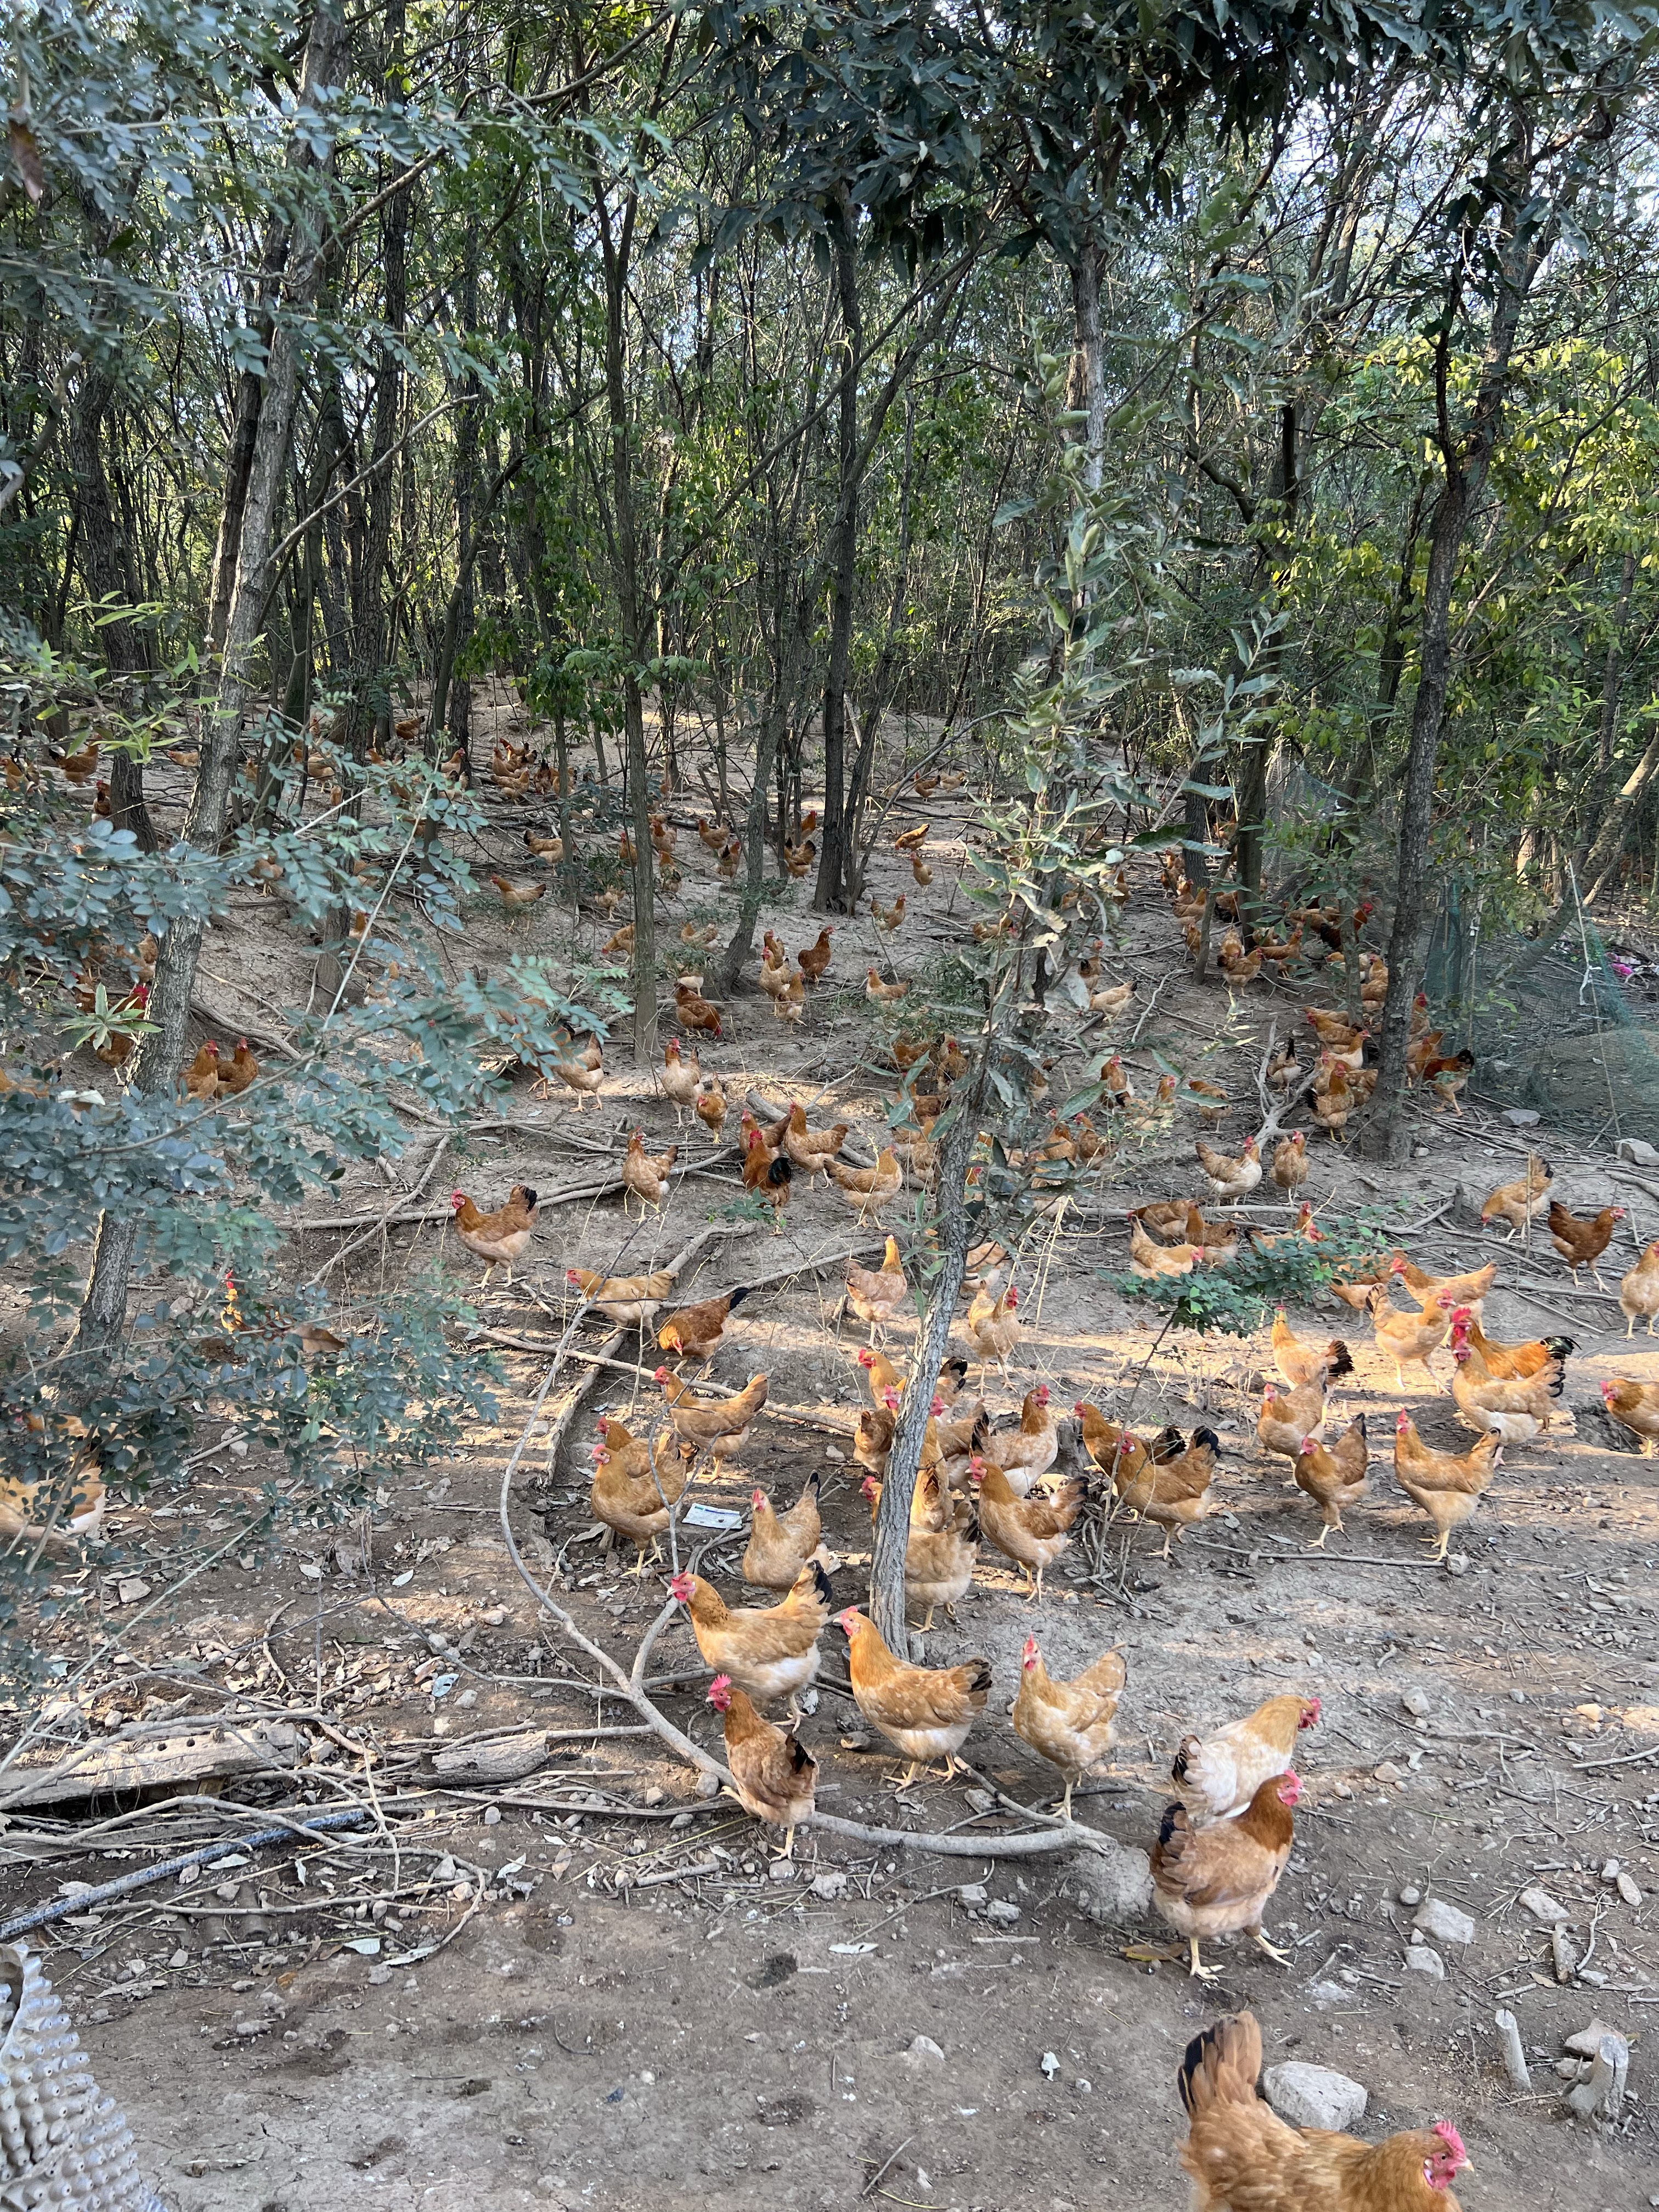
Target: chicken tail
{"type": "Point", "coordinates": [1221, 2066]}
{"type": "Point", "coordinates": [735, 1299]}
{"type": "Point", "coordinates": [1183, 1758]}
{"type": "Point", "coordinates": [1341, 1362]}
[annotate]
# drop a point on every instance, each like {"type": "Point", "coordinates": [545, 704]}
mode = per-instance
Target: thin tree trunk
{"type": "Point", "coordinates": [1088, 394]}
{"type": "Point", "coordinates": [1466, 459]}
{"type": "Point", "coordinates": [156, 1063]}
{"type": "Point", "coordinates": [830, 894]}
{"type": "Point", "coordinates": [617, 245]}
{"type": "Point", "coordinates": [106, 571]}
{"type": "Point", "coordinates": [1612, 684]}
{"type": "Point", "coordinates": [892, 1532]}
{"type": "Point", "coordinates": [245, 425]}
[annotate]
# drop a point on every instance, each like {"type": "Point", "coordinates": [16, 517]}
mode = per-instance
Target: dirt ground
{"type": "Point", "coordinates": [601, 2024]}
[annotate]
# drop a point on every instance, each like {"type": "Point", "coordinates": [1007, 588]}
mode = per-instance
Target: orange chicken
{"type": "Point", "coordinates": [680, 1078]}
{"type": "Point", "coordinates": [1033, 1532]}
{"type": "Point", "coordinates": [771, 1652]}
{"type": "Point", "coordinates": [633, 1492]}
{"type": "Point", "coordinates": [1639, 1292]}
{"type": "Point", "coordinates": [631, 1301]}
{"type": "Point", "coordinates": [780, 1544]}
{"type": "Point", "coordinates": [500, 1239]}
{"type": "Point", "coordinates": [1240, 2154]}
{"type": "Point", "coordinates": [1335, 1476]}
{"type": "Point", "coordinates": [924, 1712]}
{"type": "Point", "coordinates": [1069, 1723]}
{"type": "Point", "coordinates": [1219, 1774]}
{"type": "Point", "coordinates": [1215, 1881]}
{"type": "Point", "coordinates": [1635, 1406]}
{"type": "Point", "coordinates": [645, 1174]}
{"type": "Point", "coordinates": [877, 1295]}
{"type": "Point", "coordinates": [1447, 1485]}
{"type": "Point", "coordinates": [720, 1425]}
{"type": "Point", "coordinates": [693, 1332]}
{"type": "Point", "coordinates": [772, 1775]}
{"type": "Point", "coordinates": [992, 1324]}
{"type": "Point", "coordinates": [1299, 1363]}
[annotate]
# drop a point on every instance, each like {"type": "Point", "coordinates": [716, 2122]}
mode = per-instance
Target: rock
{"type": "Point", "coordinates": [708, 1785]}
{"type": "Point", "coordinates": [1633, 1149]}
{"type": "Point", "coordinates": [1049, 2065]}
{"type": "Point", "coordinates": [1543, 1907]}
{"type": "Point", "coordinates": [1001, 1912]}
{"type": "Point", "coordinates": [1409, 1897]}
{"type": "Point", "coordinates": [1444, 1921]}
{"type": "Point", "coordinates": [1307, 2096]}
{"type": "Point", "coordinates": [1325, 1994]}
{"type": "Point", "coordinates": [971, 1894]}
{"type": "Point", "coordinates": [1570, 2068]}
{"type": "Point", "coordinates": [656, 1794]}
{"type": "Point", "coordinates": [980, 1800]}
{"type": "Point", "coordinates": [782, 1870]}
{"type": "Point", "coordinates": [1628, 1886]}
{"type": "Point", "coordinates": [829, 1885]}
{"type": "Point", "coordinates": [1520, 1117]}
{"type": "Point", "coordinates": [923, 2056]}
{"type": "Point", "coordinates": [1111, 1886]}
{"type": "Point", "coordinates": [1457, 1563]}
{"type": "Point", "coordinates": [1423, 1961]}
{"type": "Point", "coordinates": [1416, 1702]}
{"type": "Point", "coordinates": [1610, 1870]}
{"type": "Point", "coordinates": [1588, 2041]}
{"type": "Point", "coordinates": [1387, 1772]}
{"type": "Point", "coordinates": [1566, 1955]}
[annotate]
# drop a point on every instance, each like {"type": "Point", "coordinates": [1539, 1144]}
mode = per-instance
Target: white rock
{"type": "Point", "coordinates": [1326, 1995]}
{"type": "Point", "coordinates": [1644, 1156]}
{"type": "Point", "coordinates": [1610, 1870]}
{"type": "Point", "coordinates": [1587, 2040]}
{"type": "Point", "coordinates": [1424, 1961]}
{"type": "Point", "coordinates": [829, 1885]}
{"type": "Point", "coordinates": [971, 1894]}
{"type": "Point", "coordinates": [924, 2056]}
{"type": "Point", "coordinates": [1314, 2096]}
{"type": "Point", "coordinates": [1050, 2065]}
{"type": "Point", "coordinates": [1002, 1912]}
{"type": "Point", "coordinates": [1543, 1907]}
{"type": "Point", "coordinates": [782, 1870]}
{"type": "Point", "coordinates": [1416, 1702]}
{"type": "Point", "coordinates": [1111, 1886]}
{"type": "Point", "coordinates": [1444, 1921]}
{"type": "Point", "coordinates": [1409, 1897]}
{"type": "Point", "coordinates": [1627, 1888]}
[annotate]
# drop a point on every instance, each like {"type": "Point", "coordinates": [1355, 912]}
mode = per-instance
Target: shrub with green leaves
{"type": "Point", "coordinates": [1237, 1299]}
{"type": "Point", "coordinates": [216, 1332]}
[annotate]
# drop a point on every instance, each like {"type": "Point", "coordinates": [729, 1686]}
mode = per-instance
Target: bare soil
{"type": "Point", "coordinates": [588, 2035]}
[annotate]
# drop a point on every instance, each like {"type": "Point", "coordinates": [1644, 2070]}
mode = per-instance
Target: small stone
{"type": "Point", "coordinates": [656, 1794]}
{"type": "Point", "coordinates": [980, 1800]}
{"type": "Point", "coordinates": [1644, 1156]}
{"type": "Point", "coordinates": [1111, 1886]}
{"type": "Point", "coordinates": [492, 1818]}
{"type": "Point", "coordinates": [1628, 1886]}
{"type": "Point", "coordinates": [708, 1785]}
{"type": "Point", "coordinates": [833, 1454]}
{"type": "Point", "coordinates": [379, 1977]}
{"type": "Point", "coordinates": [781, 1870]}
{"type": "Point", "coordinates": [1083, 2086]}
{"type": "Point", "coordinates": [1314, 2096]}
{"type": "Point", "coordinates": [923, 2056]}
{"type": "Point", "coordinates": [681, 1820]}
{"type": "Point", "coordinates": [1423, 1961]}
{"type": "Point", "coordinates": [1050, 2065]}
{"type": "Point", "coordinates": [1517, 1697]}
{"type": "Point", "coordinates": [808, 1702]}
{"type": "Point", "coordinates": [131, 1589]}
{"type": "Point", "coordinates": [1444, 1921]}
{"type": "Point", "coordinates": [1387, 1772]}
{"type": "Point", "coordinates": [1520, 1117]}
{"type": "Point", "coordinates": [1001, 1912]}
{"type": "Point", "coordinates": [1325, 1994]}
{"type": "Point", "coordinates": [1587, 2040]}
{"type": "Point", "coordinates": [648, 2078]}
{"type": "Point", "coordinates": [829, 1885]}
{"type": "Point", "coordinates": [1564, 1954]}
{"type": "Point", "coordinates": [1457, 1563]}
{"type": "Point", "coordinates": [1610, 1870]}
{"type": "Point", "coordinates": [1410, 1897]}
{"type": "Point", "coordinates": [1543, 1907]}
{"type": "Point", "coordinates": [1569, 2069]}
{"type": "Point", "coordinates": [445, 1869]}
{"type": "Point", "coordinates": [971, 1894]}
{"type": "Point", "coordinates": [1416, 1702]}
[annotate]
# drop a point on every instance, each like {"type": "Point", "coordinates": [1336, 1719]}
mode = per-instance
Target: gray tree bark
{"type": "Point", "coordinates": [156, 1063]}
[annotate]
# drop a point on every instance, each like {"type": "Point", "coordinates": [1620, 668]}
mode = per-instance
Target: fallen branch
{"type": "Point", "coordinates": [357, 1243]}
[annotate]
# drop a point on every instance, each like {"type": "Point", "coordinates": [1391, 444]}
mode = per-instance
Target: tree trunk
{"type": "Point", "coordinates": [1088, 393]}
{"type": "Point", "coordinates": [1612, 684]}
{"type": "Point", "coordinates": [830, 894]}
{"type": "Point", "coordinates": [892, 1533]}
{"type": "Point", "coordinates": [155, 1062]}
{"type": "Point", "coordinates": [245, 425]}
{"type": "Point", "coordinates": [107, 572]}
{"type": "Point", "coordinates": [617, 245]}
{"type": "Point", "coordinates": [1466, 458]}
